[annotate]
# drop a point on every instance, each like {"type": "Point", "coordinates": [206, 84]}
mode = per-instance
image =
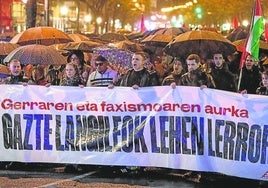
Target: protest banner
{"type": "Point", "coordinates": [183, 128]}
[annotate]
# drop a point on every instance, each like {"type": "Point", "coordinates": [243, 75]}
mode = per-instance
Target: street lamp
{"type": "Point", "coordinates": [64, 11]}
{"type": "Point", "coordinates": [99, 20]}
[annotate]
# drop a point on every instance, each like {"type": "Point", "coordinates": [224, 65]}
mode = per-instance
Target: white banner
{"type": "Point", "coordinates": [183, 128]}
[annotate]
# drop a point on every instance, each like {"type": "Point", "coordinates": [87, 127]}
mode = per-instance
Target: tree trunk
{"type": "Point", "coordinates": [31, 9]}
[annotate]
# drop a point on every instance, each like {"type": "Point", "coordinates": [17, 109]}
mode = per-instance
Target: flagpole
{"type": "Point", "coordinates": [244, 52]}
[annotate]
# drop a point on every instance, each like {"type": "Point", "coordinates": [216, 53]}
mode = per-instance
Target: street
{"type": "Point", "coordinates": [51, 175]}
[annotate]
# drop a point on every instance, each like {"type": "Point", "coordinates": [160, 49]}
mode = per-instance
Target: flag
{"type": "Point", "coordinates": [235, 22]}
{"type": "Point", "coordinates": [256, 30]}
{"type": "Point", "coordinates": [266, 32]}
{"type": "Point", "coordinates": [143, 28]}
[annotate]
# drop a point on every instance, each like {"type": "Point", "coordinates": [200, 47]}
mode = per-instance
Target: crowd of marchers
{"type": "Point", "coordinates": [217, 72]}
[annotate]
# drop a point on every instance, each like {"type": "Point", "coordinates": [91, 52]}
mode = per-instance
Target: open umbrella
{"type": "Point", "coordinates": [36, 54]}
{"type": "Point", "coordinates": [7, 47]}
{"type": "Point", "coordinates": [41, 35]}
{"type": "Point", "coordinates": [112, 37]}
{"type": "Point", "coordinates": [115, 55]}
{"type": "Point", "coordinates": [126, 45]}
{"type": "Point", "coordinates": [157, 40]}
{"type": "Point", "coordinates": [85, 46]}
{"type": "Point", "coordinates": [238, 34]}
{"type": "Point", "coordinates": [203, 43]}
{"type": "Point", "coordinates": [76, 37]}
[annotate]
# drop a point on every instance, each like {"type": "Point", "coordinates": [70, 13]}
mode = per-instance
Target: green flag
{"type": "Point", "coordinates": [257, 29]}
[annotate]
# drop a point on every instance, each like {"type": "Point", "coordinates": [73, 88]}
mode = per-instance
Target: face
{"type": "Point", "coordinates": [264, 78]}
{"type": "Point", "coordinates": [75, 59]}
{"type": "Point", "coordinates": [249, 62]}
{"type": "Point", "coordinates": [137, 62]}
{"type": "Point", "coordinates": [70, 71]}
{"type": "Point", "coordinates": [177, 66]}
{"type": "Point", "coordinates": [192, 65]}
{"type": "Point", "coordinates": [101, 66]}
{"type": "Point", "coordinates": [218, 60]}
{"type": "Point", "coordinates": [15, 68]}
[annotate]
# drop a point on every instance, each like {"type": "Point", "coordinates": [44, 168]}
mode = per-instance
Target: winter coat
{"type": "Point", "coordinates": [223, 78]}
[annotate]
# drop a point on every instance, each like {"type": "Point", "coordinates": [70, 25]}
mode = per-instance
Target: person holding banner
{"type": "Point", "coordinates": [138, 76]}
{"type": "Point", "coordinates": [251, 77]}
{"type": "Point", "coordinates": [223, 78]}
{"type": "Point", "coordinates": [195, 75]}
{"type": "Point", "coordinates": [16, 74]}
{"type": "Point", "coordinates": [72, 77]}
{"type": "Point", "coordinates": [16, 77]}
{"type": "Point", "coordinates": [103, 76]}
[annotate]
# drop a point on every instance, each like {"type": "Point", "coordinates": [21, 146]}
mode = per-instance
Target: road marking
{"type": "Point", "coordinates": [69, 179]}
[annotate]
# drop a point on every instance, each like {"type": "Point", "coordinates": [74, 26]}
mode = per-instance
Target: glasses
{"type": "Point", "coordinates": [98, 64]}
{"type": "Point", "coordinates": [74, 58]}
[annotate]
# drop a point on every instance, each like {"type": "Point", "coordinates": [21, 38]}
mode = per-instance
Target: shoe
{"type": "Point", "coordinates": [70, 169]}
{"type": "Point", "coordinates": [14, 166]}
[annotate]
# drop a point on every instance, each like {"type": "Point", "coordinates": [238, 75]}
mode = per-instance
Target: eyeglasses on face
{"type": "Point", "coordinates": [74, 58]}
{"type": "Point", "coordinates": [98, 64]}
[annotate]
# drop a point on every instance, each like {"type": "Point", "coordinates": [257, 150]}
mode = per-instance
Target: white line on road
{"type": "Point", "coordinates": [66, 180]}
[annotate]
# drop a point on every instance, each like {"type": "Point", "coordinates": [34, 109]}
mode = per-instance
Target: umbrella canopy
{"type": "Point", "coordinates": [157, 40]}
{"type": "Point", "coordinates": [76, 37]}
{"type": "Point", "coordinates": [85, 46]}
{"type": "Point", "coordinates": [126, 45]}
{"type": "Point", "coordinates": [238, 34]}
{"type": "Point", "coordinates": [112, 37]}
{"type": "Point", "coordinates": [41, 35]}
{"type": "Point", "coordinates": [203, 43]}
{"type": "Point", "coordinates": [7, 47]}
{"type": "Point", "coordinates": [240, 45]}
{"type": "Point", "coordinates": [174, 31]}
{"type": "Point", "coordinates": [36, 54]}
{"type": "Point", "coordinates": [115, 55]}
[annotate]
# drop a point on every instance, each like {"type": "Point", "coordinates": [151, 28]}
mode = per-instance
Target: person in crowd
{"type": "Point", "coordinates": [72, 77]}
{"type": "Point", "coordinates": [223, 78]}
{"type": "Point", "coordinates": [103, 76]}
{"type": "Point", "coordinates": [151, 69]}
{"type": "Point", "coordinates": [263, 89]}
{"type": "Point", "coordinates": [162, 66]}
{"type": "Point", "coordinates": [16, 74]}
{"type": "Point", "coordinates": [251, 77]}
{"type": "Point", "coordinates": [55, 74]}
{"type": "Point", "coordinates": [138, 75]}
{"type": "Point", "coordinates": [195, 75]}
{"type": "Point", "coordinates": [83, 69]}
{"type": "Point", "coordinates": [38, 76]}
{"type": "Point", "coordinates": [175, 77]}
{"type": "Point", "coordinates": [16, 77]}
{"type": "Point", "coordinates": [264, 65]}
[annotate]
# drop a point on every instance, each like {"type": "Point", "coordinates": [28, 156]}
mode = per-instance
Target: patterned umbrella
{"type": "Point", "coordinates": [36, 54]}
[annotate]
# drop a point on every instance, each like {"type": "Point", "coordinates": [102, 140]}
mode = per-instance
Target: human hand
{"type": "Point", "coordinates": [173, 85]}
{"type": "Point", "coordinates": [110, 86]}
{"type": "Point", "coordinates": [135, 86]}
{"type": "Point", "coordinates": [244, 91]}
{"type": "Point", "coordinates": [203, 86]}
